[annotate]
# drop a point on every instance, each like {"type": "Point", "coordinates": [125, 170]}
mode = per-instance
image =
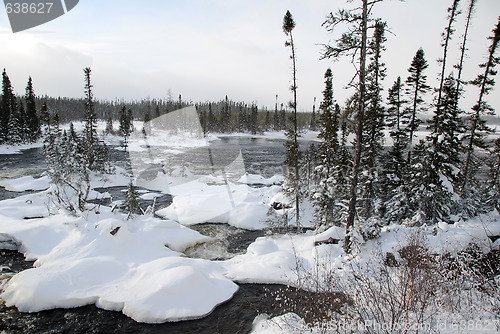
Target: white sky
{"type": "Point", "coordinates": [206, 49]}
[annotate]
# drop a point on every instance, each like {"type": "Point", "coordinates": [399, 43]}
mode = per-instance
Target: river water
{"type": "Point", "coordinates": [260, 155]}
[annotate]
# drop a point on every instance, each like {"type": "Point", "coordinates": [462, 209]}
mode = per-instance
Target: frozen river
{"type": "Point", "coordinates": [260, 155]}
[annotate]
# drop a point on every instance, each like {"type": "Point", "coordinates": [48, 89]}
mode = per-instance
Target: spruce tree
{"type": "Point", "coordinates": [131, 202]}
{"type": "Point", "coordinates": [323, 195]}
{"type": "Point", "coordinates": [477, 127]}
{"type": "Point", "coordinates": [109, 126]}
{"type": "Point", "coordinates": [397, 119]}
{"type": "Point", "coordinates": [125, 128]}
{"type": "Point", "coordinates": [493, 182]}
{"type": "Point", "coordinates": [32, 119]}
{"type": "Point", "coordinates": [436, 168]}
{"type": "Point", "coordinates": [312, 125]}
{"type": "Point", "coordinates": [292, 144]}
{"type": "Point", "coordinates": [45, 117]}
{"type": "Point", "coordinates": [96, 153]}
{"type": "Point", "coordinates": [8, 106]}
{"type": "Point", "coordinates": [453, 11]}
{"type": "Point", "coordinates": [16, 132]}
{"type": "Point", "coordinates": [373, 134]}
{"type": "Point", "coordinates": [417, 86]}
{"type": "Point", "coordinates": [463, 48]}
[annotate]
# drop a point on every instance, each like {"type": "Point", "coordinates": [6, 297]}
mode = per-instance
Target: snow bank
{"type": "Point", "coordinates": [134, 266]}
{"type": "Point", "coordinates": [17, 149]}
{"type": "Point", "coordinates": [26, 183]}
{"type": "Point", "coordinates": [255, 179]}
{"type": "Point", "coordinates": [235, 204]}
{"type": "Point", "coordinates": [280, 259]}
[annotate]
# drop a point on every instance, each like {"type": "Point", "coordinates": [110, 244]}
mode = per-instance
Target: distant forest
{"type": "Point", "coordinates": [224, 116]}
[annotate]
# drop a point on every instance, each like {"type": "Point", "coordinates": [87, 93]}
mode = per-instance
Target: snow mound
{"type": "Point", "coordinates": [26, 183]}
{"type": "Point", "coordinates": [235, 204]}
{"type": "Point", "coordinates": [134, 266]}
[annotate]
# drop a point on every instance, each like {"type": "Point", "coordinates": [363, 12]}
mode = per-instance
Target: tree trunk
{"type": "Point", "coordinates": [359, 131]}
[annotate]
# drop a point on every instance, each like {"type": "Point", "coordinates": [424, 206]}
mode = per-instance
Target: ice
{"type": "Point", "coordinates": [26, 183]}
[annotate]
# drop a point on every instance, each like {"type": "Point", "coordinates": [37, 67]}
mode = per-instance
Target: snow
{"type": "Point", "coordinates": [17, 149]}
{"type": "Point", "coordinates": [137, 265]}
{"type": "Point", "coordinates": [26, 183]}
{"type": "Point", "coordinates": [235, 204]}
{"type": "Point", "coordinates": [139, 270]}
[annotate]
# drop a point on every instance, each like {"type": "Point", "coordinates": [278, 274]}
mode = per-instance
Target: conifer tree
{"type": "Point", "coordinates": [312, 126]}
{"type": "Point", "coordinates": [32, 119]}
{"type": "Point", "coordinates": [125, 128]}
{"type": "Point", "coordinates": [277, 125]}
{"type": "Point", "coordinates": [463, 49]}
{"type": "Point", "coordinates": [292, 144]}
{"type": "Point", "coordinates": [45, 116]}
{"type": "Point", "coordinates": [254, 127]}
{"type": "Point", "coordinates": [109, 126]}
{"type": "Point", "coordinates": [96, 153]}
{"type": "Point", "coordinates": [493, 184]}
{"type": "Point", "coordinates": [396, 120]}
{"type": "Point", "coordinates": [8, 106]}
{"type": "Point", "coordinates": [417, 86]}
{"type": "Point", "coordinates": [477, 127]}
{"type": "Point", "coordinates": [131, 202]}
{"type": "Point", "coordinates": [329, 173]}
{"type": "Point", "coordinates": [436, 168]}
{"type": "Point", "coordinates": [16, 132]}
{"type": "Point", "coordinates": [453, 11]}
{"type": "Point", "coordinates": [373, 134]}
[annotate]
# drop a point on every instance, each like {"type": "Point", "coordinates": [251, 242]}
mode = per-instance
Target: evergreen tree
{"type": "Point", "coordinates": [312, 125]}
{"type": "Point", "coordinates": [436, 169]}
{"type": "Point", "coordinates": [225, 123]}
{"type": "Point", "coordinates": [131, 202]}
{"type": "Point", "coordinates": [32, 119]}
{"type": "Point", "coordinates": [45, 116]}
{"type": "Point", "coordinates": [493, 184]}
{"type": "Point", "coordinates": [16, 132]}
{"type": "Point", "coordinates": [125, 128]}
{"type": "Point", "coordinates": [453, 11]}
{"type": "Point", "coordinates": [8, 106]}
{"type": "Point", "coordinates": [253, 126]}
{"type": "Point", "coordinates": [417, 86]}
{"type": "Point", "coordinates": [292, 144]}
{"type": "Point", "coordinates": [477, 127]}
{"type": "Point", "coordinates": [109, 126]}
{"type": "Point", "coordinates": [327, 172]}
{"type": "Point", "coordinates": [395, 166]}
{"type": "Point", "coordinates": [267, 122]}
{"type": "Point", "coordinates": [96, 153]}
{"type": "Point", "coordinates": [242, 119]}
{"type": "Point", "coordinates": [277, 123]}
{"type": "Point", "coordinates": [463, 49]}
{"type": "Point", "coordinates": [373, 134]}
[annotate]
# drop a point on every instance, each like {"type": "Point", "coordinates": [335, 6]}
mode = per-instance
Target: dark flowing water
{"type": "Point", "coordinates": [261, 156]}
{"type": "Point", "coordinates": [234, 316]}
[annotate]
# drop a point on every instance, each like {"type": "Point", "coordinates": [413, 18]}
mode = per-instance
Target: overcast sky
{"type": "Point", "coordinates": [207, 49]}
